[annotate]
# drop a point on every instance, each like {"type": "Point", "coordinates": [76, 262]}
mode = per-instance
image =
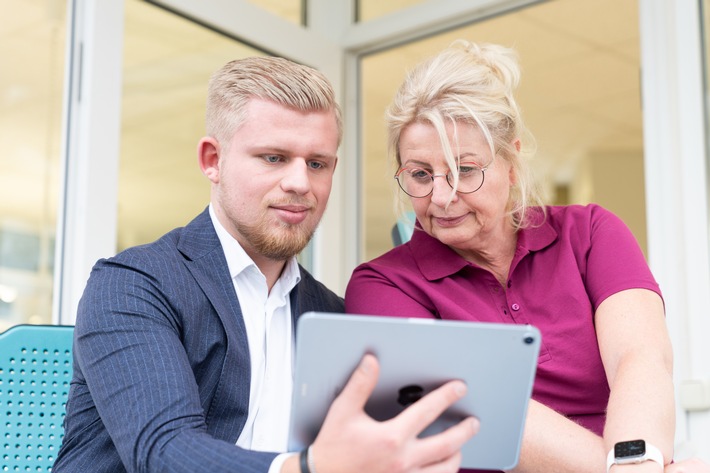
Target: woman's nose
{"type": "Point", "coordinates": [441, 191]}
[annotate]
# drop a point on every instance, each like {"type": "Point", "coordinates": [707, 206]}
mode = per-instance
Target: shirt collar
{"type": "Point", "coordinates": [436, 260]}
{"type": "Point", "coordinates": [238, 260]}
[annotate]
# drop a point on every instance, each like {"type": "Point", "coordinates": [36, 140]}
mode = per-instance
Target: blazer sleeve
{"type": "Point", "coordinates": [140, 394]}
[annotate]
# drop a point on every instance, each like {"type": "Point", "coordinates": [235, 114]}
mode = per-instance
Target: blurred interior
{"type": "Point", "coordinates": [580, 95]}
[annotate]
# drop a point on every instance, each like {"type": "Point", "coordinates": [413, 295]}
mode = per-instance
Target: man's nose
{"type": "Point", "coordinates": [296, 178]}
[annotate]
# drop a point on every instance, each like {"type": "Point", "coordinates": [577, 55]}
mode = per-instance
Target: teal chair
{"type": "Point", "coordinates": [404, 227]}
{"type": "Point", "coordinates": [35, 371]}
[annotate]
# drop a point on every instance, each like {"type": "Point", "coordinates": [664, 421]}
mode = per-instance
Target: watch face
{"type": "Point", "coordinates": [630, 449]}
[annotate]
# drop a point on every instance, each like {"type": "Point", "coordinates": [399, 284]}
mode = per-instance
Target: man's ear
{"type": "Point", "coordinates": [208, 151]}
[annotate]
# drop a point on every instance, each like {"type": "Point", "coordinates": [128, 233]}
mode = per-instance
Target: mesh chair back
{"type": "Point", "coordinates": [35, 371]}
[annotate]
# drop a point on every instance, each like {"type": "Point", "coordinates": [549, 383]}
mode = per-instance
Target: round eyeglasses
{"type": "Point", "coordinates": [418, 182]}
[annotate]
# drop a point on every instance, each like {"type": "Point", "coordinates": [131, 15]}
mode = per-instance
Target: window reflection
{"type": "Point", "coordinates": [167, 63]}
{"type": "Point", "coordinates": [32, 35]}
{"type": "Point", "coordinates": [580, 96]}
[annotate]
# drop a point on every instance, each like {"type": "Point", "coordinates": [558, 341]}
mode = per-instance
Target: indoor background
{"type": "Point", "coordinates": [580, 95]}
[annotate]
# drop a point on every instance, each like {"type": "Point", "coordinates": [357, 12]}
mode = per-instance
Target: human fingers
{"type": "Point", "coordinates": [434, 449]}
{"type": "Point", "coordinates": [426, 410]}
{"type": "Point", "coordinates": [359, 387]}
{"type": "Point", "coordinates": [450, 464]}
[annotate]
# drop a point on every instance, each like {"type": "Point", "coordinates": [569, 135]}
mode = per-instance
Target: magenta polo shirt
{"type": "Point", "coordinates": [562, 270]}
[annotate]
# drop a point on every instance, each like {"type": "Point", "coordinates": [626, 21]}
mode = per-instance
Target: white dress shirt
{"type": "Point", "coordinates": [267, 317]}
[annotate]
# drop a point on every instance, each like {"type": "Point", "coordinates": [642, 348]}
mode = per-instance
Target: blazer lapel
{"type": "Point", "coordinates": [205, 260]}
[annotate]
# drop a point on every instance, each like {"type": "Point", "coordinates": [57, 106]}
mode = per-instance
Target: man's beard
{"type": "Point", "coordinates": [279, 243]}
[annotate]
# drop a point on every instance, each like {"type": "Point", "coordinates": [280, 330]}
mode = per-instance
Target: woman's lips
{"type": "Point", "coordinates": [448, 221]}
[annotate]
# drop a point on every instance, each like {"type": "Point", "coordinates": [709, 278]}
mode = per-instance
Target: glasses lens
{"type": "Point", "coordinates": [415, 182]}
{"type": "Point", "coordinates": [470, 179]}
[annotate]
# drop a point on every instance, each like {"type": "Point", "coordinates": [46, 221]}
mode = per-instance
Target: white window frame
{"type": "Point", "coordinates": [675, 163]}
{"type": "Point", "coordinates": [87, 217]}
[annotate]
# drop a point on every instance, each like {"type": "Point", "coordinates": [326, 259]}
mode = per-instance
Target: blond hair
{"type": "Point", "coordinates": [470, 83]}
{"type": "Point", "coordinates": [269, 78]}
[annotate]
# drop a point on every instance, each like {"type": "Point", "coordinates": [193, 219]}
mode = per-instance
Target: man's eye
{"type": "Point", "coordinates": [316, 165]}
{"type": "Point", "coordinates": [272, 158]}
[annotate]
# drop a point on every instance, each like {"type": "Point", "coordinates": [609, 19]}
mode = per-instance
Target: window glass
{"type": "Point", "coordinates": [291, 10]}
{"type": "Point", "coordinates": [167, 63]}
{"type": "Point", "coordinates": [580, 96]}
{"type": "Point", "coordinates": [371, 9]}
{"type": "Point", "coordinates": [32, 50]}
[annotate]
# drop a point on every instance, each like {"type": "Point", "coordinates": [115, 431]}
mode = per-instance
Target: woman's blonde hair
{"type": "Point", "coordinates": [270, 78]}
{"type": "Point", "coordinates": [470, 83]}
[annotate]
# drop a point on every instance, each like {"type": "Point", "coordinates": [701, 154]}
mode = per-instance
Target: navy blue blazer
{"type": "Point", "coordinates": [161, 362]}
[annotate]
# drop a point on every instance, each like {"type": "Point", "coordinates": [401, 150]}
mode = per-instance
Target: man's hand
{"type": "Point", "coordinates": [351, 441]}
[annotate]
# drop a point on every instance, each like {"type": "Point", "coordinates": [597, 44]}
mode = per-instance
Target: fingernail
{"type": "Point", "coordinates": [475, 423]}
{"type": "Point", "coordinates": [366, 365]}
{"type": "Point", "coordinates": [460, 388]}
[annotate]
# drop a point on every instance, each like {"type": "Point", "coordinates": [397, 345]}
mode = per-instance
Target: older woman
{"type": "Point", "coordinates": [486, 249]}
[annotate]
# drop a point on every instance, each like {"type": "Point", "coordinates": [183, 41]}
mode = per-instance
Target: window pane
{"type": "Point", "coordinates": [370, 9]}
{"type": "Point", "coordinates": [32, 35]}
{"type": "Point", "coordinates": [580, 96]}
{"type": "Point", "coordinates": [291, 10]}
{"type": "Point", "coordinates": [167, 64]}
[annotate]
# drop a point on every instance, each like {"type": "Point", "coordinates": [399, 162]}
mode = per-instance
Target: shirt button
{"type": "Point", "coordinates": [515, 307]}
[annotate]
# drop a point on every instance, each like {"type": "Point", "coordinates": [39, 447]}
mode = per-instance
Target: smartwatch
{"type": "Point", "coordinates": [633, 451]}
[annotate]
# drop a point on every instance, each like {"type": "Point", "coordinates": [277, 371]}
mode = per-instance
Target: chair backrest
{"type": "Point", "coordinates": [35, 371]}
{"type": "Point", "coordinates": [404, 227]}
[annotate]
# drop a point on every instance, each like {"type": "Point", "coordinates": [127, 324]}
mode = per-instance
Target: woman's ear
{"type": "Point", "coordinates": [512, 177]}
{"type": "Point", "coordinates": [208, 151]}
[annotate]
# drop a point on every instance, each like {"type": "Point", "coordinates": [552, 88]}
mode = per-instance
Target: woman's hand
{"type": "Point", "coordinates": [693, 465]}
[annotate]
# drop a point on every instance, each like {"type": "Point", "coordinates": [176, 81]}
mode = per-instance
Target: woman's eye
{"type": "Point", "coordinates": [419, 174]}
{"type": "Point", "coordinates": [468, 170]}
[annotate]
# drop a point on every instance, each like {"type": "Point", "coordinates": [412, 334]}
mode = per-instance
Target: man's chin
{"type": "Point", "coordinates": [285, 245]}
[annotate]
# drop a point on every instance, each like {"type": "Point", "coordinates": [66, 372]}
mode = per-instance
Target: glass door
{"type": "Point", "coordinates": [32, 45]}
{"type": "Point", "coordinates": [580, 96]}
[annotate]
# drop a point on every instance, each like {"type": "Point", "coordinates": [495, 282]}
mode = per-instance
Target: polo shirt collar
{"type": "Point", "coordinates": [436, 260]}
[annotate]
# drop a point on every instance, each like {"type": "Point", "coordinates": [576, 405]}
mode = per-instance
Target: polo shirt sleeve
{"type": "Point", "coordinates": [388, 285]}
{"type": "Point", "coordinates": [614, 260]}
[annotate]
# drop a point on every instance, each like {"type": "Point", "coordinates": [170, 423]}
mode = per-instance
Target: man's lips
{"type": "Point", "coordinates": [292, 213]}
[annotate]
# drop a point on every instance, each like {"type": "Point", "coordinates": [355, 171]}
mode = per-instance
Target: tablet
{"type": "Point", "coordinates": [497, 362]}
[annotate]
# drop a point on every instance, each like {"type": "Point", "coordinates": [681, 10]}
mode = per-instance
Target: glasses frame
{"type": "Point", "coordinates": [448, 176]}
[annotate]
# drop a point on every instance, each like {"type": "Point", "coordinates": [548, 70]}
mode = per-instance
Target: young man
{"type": "Point", "coordinates": [183, 347]}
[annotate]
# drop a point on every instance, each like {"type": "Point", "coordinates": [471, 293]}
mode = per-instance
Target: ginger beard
{"type": "Point", "coordinates": [274, 238]}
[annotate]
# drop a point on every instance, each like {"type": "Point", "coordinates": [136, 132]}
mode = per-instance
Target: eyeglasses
{"type": "Point", "coordinates": [418, 182]}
